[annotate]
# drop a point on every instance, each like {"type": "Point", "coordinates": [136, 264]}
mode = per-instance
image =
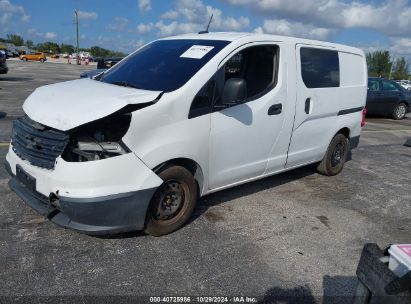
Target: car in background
{"type": "Point", "coordinates": [103, 64]}
{"type": "Point", "coordinates": [7, 53]}
{"type": "Point", "coordinates": [106, 63]}
{"type": "Point", "coordinates": [406, 84]}
{"type": "Point", "coordinates": [38, 56]}
{"type": "Point", "coordinates": [3, 65]}
{"type": "Point", "coordinates": [387, 98]}
{"type": "Point", "coordinates": [93, 73]}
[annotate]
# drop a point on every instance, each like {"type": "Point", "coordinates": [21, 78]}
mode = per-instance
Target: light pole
{"type": "Point", "coordinates": [77, 48]}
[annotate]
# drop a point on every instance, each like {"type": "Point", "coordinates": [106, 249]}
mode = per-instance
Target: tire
{"type": "Point", "coordinates": [173, 202]}
{"type": "Point", "coordinates": [25, 59]}
{"type": "Point", "coordinates": [42, 60]}
{"type": "Point", "coordinates": [335, 157]}
{"type": "Point", "coordinates": [399, 111]}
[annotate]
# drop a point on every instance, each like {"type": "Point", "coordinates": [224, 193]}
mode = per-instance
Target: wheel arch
{"type": "Point", "coordinates": [405, 102]}
{"type": "Point", "coordinates": [344, 131]}
{"type": "Point", "coordinates": [192, 166]}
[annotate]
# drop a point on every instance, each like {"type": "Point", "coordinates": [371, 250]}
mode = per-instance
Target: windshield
{"type": "Point", "coordinates": [163, 65]}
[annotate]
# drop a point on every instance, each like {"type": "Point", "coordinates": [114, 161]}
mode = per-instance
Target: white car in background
{"type": "Point", "coordinates": [406, 84]}
{"type": "Point", "coordinates": [180, 118]}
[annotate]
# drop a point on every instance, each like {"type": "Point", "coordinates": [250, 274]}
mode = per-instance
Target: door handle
{"type": "Point", "coordinates": [275, 109]}
{"type": "Point", "coordinates": [307, 105]}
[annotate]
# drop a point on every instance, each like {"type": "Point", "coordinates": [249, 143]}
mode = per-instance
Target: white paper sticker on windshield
{"type": "Point", "coordinates": [197, 51]}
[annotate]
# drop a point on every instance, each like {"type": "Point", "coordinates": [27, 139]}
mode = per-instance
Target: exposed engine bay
{"type": "Point", "coordinates": [98, 140]}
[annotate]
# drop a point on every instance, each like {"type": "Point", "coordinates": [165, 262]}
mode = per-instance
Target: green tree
{"type": "Point", "coordinates": [97, 51]}
{"type": "Point", "coordinates": [15, 39]}
{"type": "Point", "coordinates": [29, 44]}
{"type": "Point", "coordinates": [67, 48]}
{"type": "Point", "coordinates": [379, 63]}
{"type": "Point", "coordinates": [400, 69]}
{"type": "Point", "coordinates": [117, 54]}
{"type": "Point", "coordinates": [48, 47]}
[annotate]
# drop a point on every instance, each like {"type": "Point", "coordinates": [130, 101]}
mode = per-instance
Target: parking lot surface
{"type": "Point", "coordinates": [290, 235]}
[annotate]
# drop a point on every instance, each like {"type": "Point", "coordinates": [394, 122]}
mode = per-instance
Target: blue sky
{"type": "Point", "coordinates": [125, 25]}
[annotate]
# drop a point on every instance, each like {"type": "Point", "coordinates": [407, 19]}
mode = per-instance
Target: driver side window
{"type": "Point", "coordinates": [252, 71]}
{"type": "Point", "coordinates": [247, 75]}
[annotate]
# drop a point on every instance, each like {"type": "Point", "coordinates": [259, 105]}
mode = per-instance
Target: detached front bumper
{"type": "Point", "coordinates": [97, 214]}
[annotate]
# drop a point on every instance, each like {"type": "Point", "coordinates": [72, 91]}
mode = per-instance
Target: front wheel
{"type": "Point", "coordinates": [399, 111]}
{"type": "Point", "coordinates": [335, 157]}
{"type": "Point", "coordinates": [25, 59]}
{"type": "Point", "coordinates": [172, 203]}
{"type": "Point", "coordinates": [41, 60]}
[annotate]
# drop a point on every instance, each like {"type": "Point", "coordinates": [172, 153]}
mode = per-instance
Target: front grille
{"type": "Point", "coordinates": [36, 143]}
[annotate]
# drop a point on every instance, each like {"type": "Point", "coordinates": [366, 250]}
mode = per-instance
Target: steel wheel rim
{"type": "Point", "coordinates": [337, 155]}
{"type": "Point", "coordinates": [170, 199]}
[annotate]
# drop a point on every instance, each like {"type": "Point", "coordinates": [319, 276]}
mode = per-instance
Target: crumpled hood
{"type": "Point", "coordinates": [67, 105]}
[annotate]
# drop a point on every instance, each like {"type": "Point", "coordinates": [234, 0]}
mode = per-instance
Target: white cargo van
{"type": "Point", "coordinates": [180, 118]}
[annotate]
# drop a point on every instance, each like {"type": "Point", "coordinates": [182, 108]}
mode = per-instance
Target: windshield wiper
{"type": "Point", "coordinates": [124, 84]}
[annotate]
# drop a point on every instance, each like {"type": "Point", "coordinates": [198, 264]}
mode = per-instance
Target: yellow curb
{"type": "Point", "coordinates": [4, 144]}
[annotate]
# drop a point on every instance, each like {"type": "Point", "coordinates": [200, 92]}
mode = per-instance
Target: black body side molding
{"type": "Point", "coordinates": [349, 111]}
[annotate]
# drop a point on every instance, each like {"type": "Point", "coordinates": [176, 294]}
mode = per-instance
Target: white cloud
{"type": "Point", "coordinates": [35, 34]}
{"type": "Point", "coordinates": [119, 24]}
{"type": "Point", "coordinates": [175, 28]}
{"type": "Point", "coordinates": [401, 46]}
{"type": "Point", "coordinates": [392, 17]}
{"type": "Point", "coordinates": [194, 16]}
{"type": "Point", "coordinates": [50, 35]}
{"type": "Point", "coordinates": [136, 44]}
{"type": "Point", "coordinates": [130, 45]}
{"type": "Point", "coordinates": [5, 18]}
{"type": "Point", "coordinates": [25, 18]}
{"type": "Point", "coordinates": [104, 39]}
{"type": "Point", "coordinates": [87, 15]}
{"type": "Point", "coordinates": [9, 10]}
{"type": "Point", "coordinates": [398, 47]}
{"type": "Point", "coordinates": [297, 29]}
{"type": "Point", "coordinates": [172, 15]}
{"type": "Point", "coordinates": [144, 5]}
{"type": "Point", "coordinates": [223, 23]}
{"type": "Point", "coordinates": [144, 28]}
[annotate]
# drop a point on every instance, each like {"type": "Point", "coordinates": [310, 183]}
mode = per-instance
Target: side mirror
{"type": "Point", "coordinates": [235, 91]}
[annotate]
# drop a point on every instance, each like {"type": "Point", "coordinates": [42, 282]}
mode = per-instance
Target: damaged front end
{"type": "Point", "coordinates": [84, 178]}
{"type": "Point", "coordinates": [101, 139]}
{"type": "Point", "coordinates": [37, 144]}
{"type": "Point", "coordinates": [41, 145]}
{"type": "Point", "coordinates": [67, 160]}
{"type": "Point", "coordinates": [98, 140]}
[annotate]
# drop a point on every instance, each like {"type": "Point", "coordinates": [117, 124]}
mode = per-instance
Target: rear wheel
{"type": "Point", "coordinates": [399, 111]}
{"type": "Point", "coordinates": [25, 59]}
{"type": "Point", "coordinates": [172, 203]}
{"type": "Point", "coordinates": [41, 60]}
{"type": "Point", "coordinates": [335, 157]}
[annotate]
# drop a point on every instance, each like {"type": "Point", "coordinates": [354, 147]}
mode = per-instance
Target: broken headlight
{"type": "Point", "coordinates": [98, 140]}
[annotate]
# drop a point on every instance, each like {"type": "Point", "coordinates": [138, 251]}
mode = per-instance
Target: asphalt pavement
{"type": "Point", "coordinates": [297, 234]}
